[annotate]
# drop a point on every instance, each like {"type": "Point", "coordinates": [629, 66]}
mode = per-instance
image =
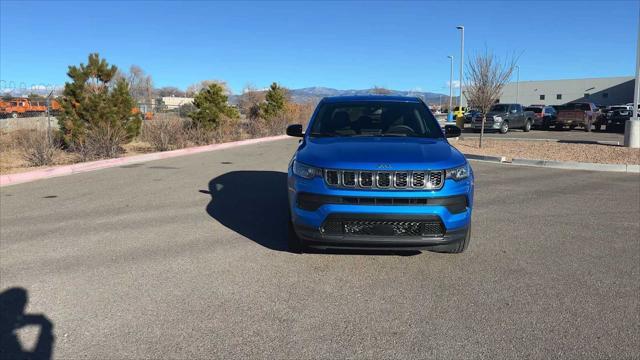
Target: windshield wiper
{"type": "Point", "coordinates": [394, 134]}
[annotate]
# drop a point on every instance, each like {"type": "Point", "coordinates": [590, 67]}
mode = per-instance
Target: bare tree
{"type": "Point", "coordinates": [169, 91]}
{"type": "Point", "coordinates": [380, 90]}
{"type": "Point", "coordinates": [140, 84]}
{"type": "Point", "coordinates": [486, 76]}
{"type": "Point", "coordinates": [193, 89]}
{"type": "Point", "coordinates": [249, 102]}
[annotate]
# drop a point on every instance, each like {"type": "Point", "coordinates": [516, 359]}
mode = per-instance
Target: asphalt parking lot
{"type": "Point", "coordinates": [186, 258]}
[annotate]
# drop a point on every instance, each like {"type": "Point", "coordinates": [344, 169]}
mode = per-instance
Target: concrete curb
{"type": "Point", "coordinates": [498, 159]}
{"type": "Point", "coordinates": [568, 165]}
{"type": "Point", "coordinates": [19, 178]}
{"type": "Point", "coordinates": [595, 142]}
{"type": "Point", "coordinates": [571, 165]}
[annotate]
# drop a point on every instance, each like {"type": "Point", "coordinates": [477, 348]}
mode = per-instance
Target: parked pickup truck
{"type": "Point", "coordinates": [503, 117]}
{"type": "Point", "coordinates": [615, 117]}
{"type": "Point", "coordinates": [576, 114]}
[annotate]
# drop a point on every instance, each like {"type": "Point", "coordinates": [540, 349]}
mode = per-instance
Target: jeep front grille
{"type": "Point", "coordinates": [399, 180]}
{"type": "Point", "coordinates": [349, 178]}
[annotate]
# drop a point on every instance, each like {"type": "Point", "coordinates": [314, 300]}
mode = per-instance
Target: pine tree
{"type": "Point", "coordinates": [93, 103]}
{"type": "Point", "coordinates": [276, 100]}
{"type": "Point", "coordinates": [211, 106]}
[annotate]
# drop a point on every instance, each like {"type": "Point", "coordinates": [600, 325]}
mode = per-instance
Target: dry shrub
{"type": "Point", "coordinates": [292, 114]}
{"type": "Point", "coordinates": [227, 129]}
{"type": "Point", "coordinates": [102, 141]}
{"type": "Point", "coordinates": [166, 134]}
{"type": "Point", "coordinates": [8, 140]}
{"type": "Point", "coordinates": [36, 147]}
{"type": "Point", "coordinates": [195, 135]}
{"type": "Point", "coordinates": [256, 127]}
{"type": "Point", "coordinates": [299, 113]}
{"type": "Point", "coordinates": [175, 133]}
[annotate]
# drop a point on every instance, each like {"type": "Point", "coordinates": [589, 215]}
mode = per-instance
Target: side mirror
{"type": "Point", "coordinates": [451, 131]}
{"type": "Point", "coordinates": [294, 130]}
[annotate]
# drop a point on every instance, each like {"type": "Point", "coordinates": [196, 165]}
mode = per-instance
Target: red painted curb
{"type": "Point", "coordinates": [63, 170]}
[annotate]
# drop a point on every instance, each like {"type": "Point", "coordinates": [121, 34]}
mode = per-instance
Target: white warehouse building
{"type": "Point", "coordinates": [600, 91]}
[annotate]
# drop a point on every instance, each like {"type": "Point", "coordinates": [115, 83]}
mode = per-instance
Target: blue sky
{"type": "Point", "coordinates": [345, 45]}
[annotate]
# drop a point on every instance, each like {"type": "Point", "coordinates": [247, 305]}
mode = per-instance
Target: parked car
{"type": "Point", "coordinates": [615, 117]}
{"type": "Point", "coordinates": [576, 114]}
{"type": "Point", "coordinates": [378, 172]}
{"type": "Point", "coordinates": [503, 117]}
{"type": "Point", "coordinates": [543, 115]}
{"type": "Point", "coordinates": [470, 115]}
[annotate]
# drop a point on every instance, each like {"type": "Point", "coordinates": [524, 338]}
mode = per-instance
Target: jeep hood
{"type": "Point", "coordinates": [379, 153]}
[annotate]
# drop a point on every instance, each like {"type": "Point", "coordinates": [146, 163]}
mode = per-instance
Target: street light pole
{"type": "Point", "coordinates": [450, 85]}
{"type": "Point", "coordinates": [517, 84]}
{"type": "Point", "coordinates": [461, 28]}
{"type": "Point", "coordinates": [632, 126]}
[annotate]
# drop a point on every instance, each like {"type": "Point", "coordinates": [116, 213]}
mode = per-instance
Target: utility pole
{"type": "Point", "coordinates": [49, 117]}
{"type": "Point", "coordinates": [450, 87]}
{"type": "Point", "coordinates": [461, 28]}
{"type": "Point", "coordinates": [517, 84]}
{"type": "Point", "coordinates": [632, 126]}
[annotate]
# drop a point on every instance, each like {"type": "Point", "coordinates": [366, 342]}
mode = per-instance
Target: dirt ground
{"type": "Point", "coordinates": [11, 160]}
{"type": "Point", "coordinates": [550, 150]}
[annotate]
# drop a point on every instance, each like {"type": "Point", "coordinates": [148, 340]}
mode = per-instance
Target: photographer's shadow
{"type": "Point", "coordinates": [253, 204]}
{"type": "Point", "coordinates": [13, 302]}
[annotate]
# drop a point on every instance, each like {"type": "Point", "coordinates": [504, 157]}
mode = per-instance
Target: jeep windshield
{"type": "Point", "coordinates": [375, 118]}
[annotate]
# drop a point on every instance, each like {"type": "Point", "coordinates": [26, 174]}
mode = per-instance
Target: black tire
{"type": "Point", "coordinates": [14, 115]}
{"type": "Point", "coordinates": [294, 243]}
{"type": "Point", "coordinates": [527, 126]}
{"type": "Point", "coordinates": [456, 247]}
{"type": "Point", "coordinates": [504, 128]}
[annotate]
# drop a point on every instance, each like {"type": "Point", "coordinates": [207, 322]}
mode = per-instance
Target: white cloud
{"type": "Point", "coordinates": [456, 84]}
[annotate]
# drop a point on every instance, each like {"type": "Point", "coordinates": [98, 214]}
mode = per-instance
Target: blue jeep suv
{"type": "Point", "coordinates": [377, 172]}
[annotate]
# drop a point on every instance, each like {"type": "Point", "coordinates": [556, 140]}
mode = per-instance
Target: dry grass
{"type": "Point", "coordinates": [550, 150]}
{"type": "Point", "coordinates": [17, 151]}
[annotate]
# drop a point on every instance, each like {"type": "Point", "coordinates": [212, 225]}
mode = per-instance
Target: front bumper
{"type": "Point", "coordinates": [315, 238]}
{"type": "Point", "coordinates": [438, 205]}
{"type": "Point", "coordinates": [488, 125]}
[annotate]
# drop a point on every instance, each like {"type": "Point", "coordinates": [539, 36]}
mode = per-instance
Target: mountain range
{"type": "Point", "coordinates": [314, 94]}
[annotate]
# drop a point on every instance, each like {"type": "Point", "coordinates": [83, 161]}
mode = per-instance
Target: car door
{"type": "Point", "coordinates": [517, 119]}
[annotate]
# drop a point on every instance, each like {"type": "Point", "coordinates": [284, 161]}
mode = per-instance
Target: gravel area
{"type": "Point", "coordinates": [550, 150]}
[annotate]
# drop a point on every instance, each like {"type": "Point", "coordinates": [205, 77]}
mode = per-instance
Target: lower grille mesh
{"type": "Point", "coordinates": [383, 228]}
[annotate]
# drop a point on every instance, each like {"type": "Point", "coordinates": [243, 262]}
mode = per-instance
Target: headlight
{"type": "Point", "coordinates": [497, 119]}
{"type": "Point", "coordinates": [458, 173]}
{"type": "Point", "coordinates": [305, 171]}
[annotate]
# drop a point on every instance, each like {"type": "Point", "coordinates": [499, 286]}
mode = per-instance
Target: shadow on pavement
{"type": "Point", "coordinates": [254, 204]}
{"type": "Point", "coordinates": [13, 302]}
